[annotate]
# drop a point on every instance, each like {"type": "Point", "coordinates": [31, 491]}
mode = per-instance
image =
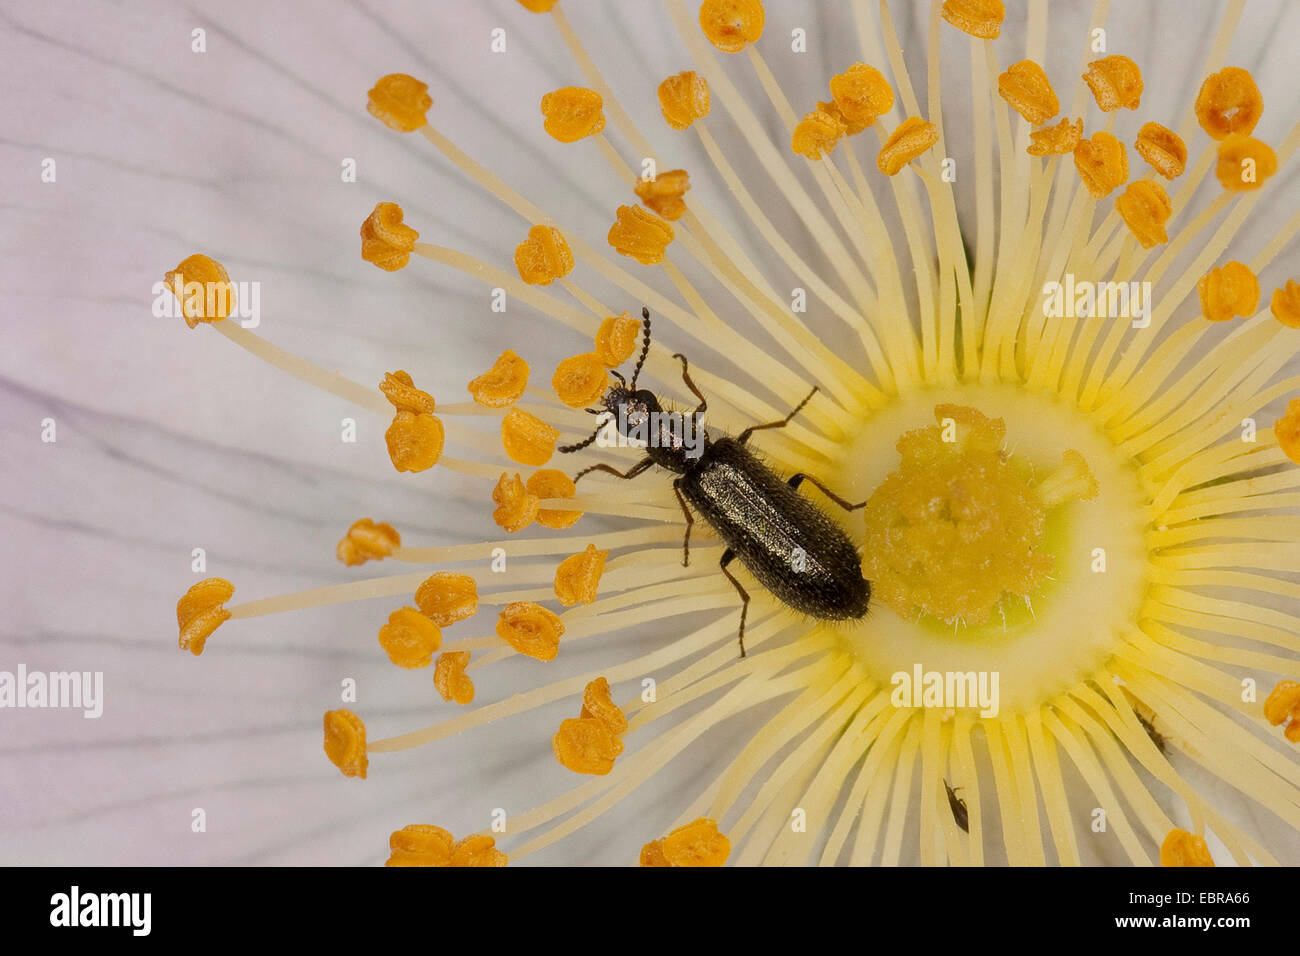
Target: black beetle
{"type": "Point", "coordinates": [960, 815]}
{"type": "Point", "coordinates": [789, 544]}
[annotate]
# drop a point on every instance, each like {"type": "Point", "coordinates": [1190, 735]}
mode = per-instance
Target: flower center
{"type": "Point", "coordinates": [1003, 536]}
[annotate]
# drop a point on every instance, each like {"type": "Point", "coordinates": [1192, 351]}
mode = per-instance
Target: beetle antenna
{"type": "Point", "coordinates": [645, 345]}
{"type": "Point", "coordinates": [565, 449]}
{"type": "Point", "coordinates": [618, 375]}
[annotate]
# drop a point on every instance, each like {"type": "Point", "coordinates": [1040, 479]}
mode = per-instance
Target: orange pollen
{"type": "Point", "coordinates": [862, 94]}
{"type": "Point", "coordinates": [516, 508]}
{"type": "Point", "coordinates": [527, 439]}
{"type": "Point", "coordinates": [385, 241]}
{"type": "Point", "coordinates": [544, 256]}
{"type": "Point", "coordinates": [203, 287]}
{"type": "Point", "coordinates": [477, 850]}
{"type": "Point", "coordinates": [366, 541]}
{"type": "Point", "coordinates": [1285, 304]}
{"type": "Point", "coordinates": [1146, 208]}
{"type": "Point", "coordinates": [664, 193]}
{"type": "Point", "coordinates": [1287, 430]}
{"type": "Point", "coordinates": [578, 576]}
{"type": "Point", "coordinates": [1102, 164]}
{"type": "Point", "coordinates": [1229, 290]}
{"type": "Point", "coordinates": [531, 629]}
{"type": "Point", "coordinates": [580, 380]}
{"type": "Point", "coordinates": [912, 138]}
{"type": "Point", "coordinates": [345, 742]}
{"type": "Point", "coordinates": [818, 132]}
{"type": "Point", "coordinates": [552, 483]}
{"type": "Point", "coordinates": [731, 25]}
{"type": "Point", "coordinates": [400, 102]}
{"type": "Point", "coordinates": [1184, 849]}
{"type": "Point", "coordinates": [616, 339]}
{"type": "Point", "coordinates": [409, 638]}
{"type": "Point", "coordinates": [586, 745]}
{"type": "Point", "coordinates": [415, 438]}
{"type": "Point", "coordinates": [697, 844]}
{"type": "Point", "coordinates": [640, 235]}
{"type": "Point", "coordinates": [1229, 102]}
{"type": "Point", "coordinates": [538, 6]}
{"type": "Point", "coordinates": [1163, 149]}
{"type": "Point", "coordinates": [450, 679]}
{"type": "Point", "coordinates": [1027, 90]}
{"type": "Point", "coordinates": [1116, 83]}
{"type": "Point", "coordinates": [1055, 140]}
{"type": "Point", "coordinates": [420, 844]}
{"type": "Point", "coordinates": [503, 384]}
{"type": "Point", "coordinates": [1245, 163]}
{"type": "Point", "coordinates": [979, 18]}
{"type": "Point", "coordinates": [199, 612]}
{"type": "Point", "coordinates": [684, 98]}
{"type": "Point", "coordinates": [573, 113]}
{"type": "Point", "coordinates": [447, 597]}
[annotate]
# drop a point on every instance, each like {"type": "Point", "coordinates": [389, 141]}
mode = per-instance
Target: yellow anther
{"type": "Point", "coordinates": [200, 612]}
{"type": "Point", "coordinates": [503, 384]}
{"type": "Point", "coordinates": [1282, 705]}
{"type": "Point", "coordinates": [409, 638]}
{"type": "Point", "coordinates": [616, 339]}
{"type": "Point", "coordinates": [385, 241]}
{"type": "Point", "coordinates": [416, 436]}
{"type": "Point", "coordinates": [731, 25]}
{"type": "Point", "coordinates": [516, 507]}
{"type": "Point", "coordinates": [550, 483]}
{"type": "Point", "coordinates": [1287, 430]}
{"type": "Point", "coordinates": [527, 439]}
{"type": "Point", "coordinates": [578, 576]}
{"type": "Point", "coordinates": [1227, 291]}
{"type": "Point", "coordinates": [538, 6]}
{"type": "Point", "coordinates": [1116, 83]}
{"type": "Point", "coordinates": [818, 132]}
{"type": "Point", "coordinates": [1055, 140]}
{"type": "Point", "coordinates": [580, 380]}
{"type": "Point", "coordinates": [420, 844]}
{"type": "Point", "coordinates": [979, 18]}
{"type": "Point", "coordinates": [1285, 304]}
{"type": "Point", "coordinates": [367, 540]}
{"type": "Point", "coordinates": [479, 850]}
{"type": "Point", "coordinates": [400, 101]}
{"type": "Point", "coordinates": [599, 704]}
{"type": "Point", "coordinates": [1146, 208]}
{"type": "Point", "coordinates": [1184, 849]}
{"type": "Point", "coordinates": [640, 235]}
{"type": "Point", "coordinates": [912, 138]}
{"type": "Point", "coordinates": [203, 287]}
{"type": "Point", "coordinates": [1073, 481]}
{"type": "Point", "coordinates": [1102, 163]}
{"type": "Point", "coordinates": [1245, 163]}
{"type": "Point", "coordinates": [345, 742]}
{"type": "Point", "coordinates": [447, 597]}
{"type": "Point", "coordinates": [1163, 149]}
{"type": "Point", "coordinates": [573, 113]}
{"type": "Point", "coordinates": [697, 844]}
{"type": "Point", "coordinates": [1026, 88]}
{"type": "Point", "coordinates": [544, 256]}
{"type": "Point", "coordinates": [862, 94]}
{"type": "Point", "coordinates": [664, 193]}
{"type": "Point", "coordinates": [586, 745]}
{"type": "Point", "coordinates": [1229, 102]}
{"type": "Point", "coordinates": [684, 98]}
{"type": "Point", "coordinates": [531, 629]}
{"type": "Point", "coordinates": [450, 679]}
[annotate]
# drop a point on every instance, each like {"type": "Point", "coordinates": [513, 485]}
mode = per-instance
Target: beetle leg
{"type": "Point", "coordinates": [798, 479]}
{"type": "Point", "coordinates": [632, 472]}
{"type": "Point", "coordinates": [744, 436]}
{"type": "Point", "coordinates": [727, 558]}
{"type": "Point", "coordinates": [690, 520]}
{"type": "Point", "coordinates": [686, 377]}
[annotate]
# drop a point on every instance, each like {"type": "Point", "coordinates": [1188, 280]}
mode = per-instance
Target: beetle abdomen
{"type": "Point", "coordinates": [789, 544]}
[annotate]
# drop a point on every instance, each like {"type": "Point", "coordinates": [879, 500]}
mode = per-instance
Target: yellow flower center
{"type": "Point", "coordinates": [990, 552]}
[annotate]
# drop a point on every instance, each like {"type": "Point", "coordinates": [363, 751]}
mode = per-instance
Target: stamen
{"type": "Point", "coordinates": [731, 25]}
{"type": "Point", "coordinates": [531, 630]}
{"type": "Point", "coordinates": [1163, 149]}
{"type": "Point", "coordinates": [664, 193]}
{"type": "Point", "coordinates": [696, 844]}
{"type": "Point", "coordinates": [640, 235]}
{"type": "Point", "coordinates": [862, 94]}
{"type": "Point", "coordinates": [503, 384]}
{"type": "Point", "coordinates": [1285, 304]}
{"type": "Point", "coordinates": [200, 612]}
{"type": "Point", "coordinates": [1145, 207]}
{"type": "Point", "coordinates": [909, 140]}
{"type": "Point", "coordinates": [1028, 91]}
{"type": "Point", "coordinates": [544, 256]}
{"type": "Point", "coordinates": [578, 576]}
{"type": "Point", "coordinates": [1245, 163]}
{"type": "Point", "coordinates": [203, 288]}
{"type": "Point", "coordinates": [516, 507]}
{"type": "Point", "coordinates": [416, 436]}
{"type": "Point", "coordinates": [420, 844]}
{"type": "Point", "coordinates": [1116, 83]}
{"type": "Point", "coordinates": [527, 439]}
{"type": "Point", "coordinates": [573, 113]}
{"type": "Point", "coordinates": [684, 98]}
{"type": "Point", "coordinates": [1227, 291]}
{"type": "Point", "coordinates": [549, 483]}
{"type": "Point", "coordinates": [1055, 140]}
{"type": "Point", "coordinates": [400, 102]}
{"type": "Point", "coordinates": [617, 339]}
{"type": "Point", "coordinates": [450, 679]}
{"type": "Point", "coordinates": [409, 638]}
{"type": "Point", "coordinates": [580, 380]}
{"type": "Point", "coordinates": [386, 241]}
{"type": "Point", "coordinates": [818, 132]}
{"type": "Point", "coordinates": [345, 742]}
{"type": "Point", "coordinates": [366, 541]}
{"type": "Point", "coordinates": [1102, 164]}
{"type": "Point", "coordinates": [979, 18]}
{"type": "Point", "coordinates": [1184, 849]}
{"type": "Point", "coordinates": [1229, 102]}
